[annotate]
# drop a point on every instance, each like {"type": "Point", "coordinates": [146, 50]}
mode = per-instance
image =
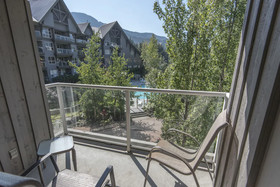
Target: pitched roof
{"type": "Point", "coordinates": [40, 8]}
{"type": "Point", "coordinates": [83, 27]}
{"type": "Point", "coordinates": [104, 29]}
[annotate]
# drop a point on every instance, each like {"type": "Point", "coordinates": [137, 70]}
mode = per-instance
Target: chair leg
{"type": "Point", "coordinates": [208, 168]}
{"type": "Point", "coordinates": [195, 179]}
{"type": "Point", "coordinates": [146, 177]}
{"type": "Point", "coordinates": [74, 159]}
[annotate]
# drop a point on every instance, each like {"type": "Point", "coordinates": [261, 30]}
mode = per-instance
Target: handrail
{"type": "Point", "coordinates": [155, 90]}
{"type": "Point", "coordinates": [127, 91]}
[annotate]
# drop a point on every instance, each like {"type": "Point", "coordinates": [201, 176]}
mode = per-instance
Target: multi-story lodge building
{"type": "Point", "coordinates": [112, 35]}
{"type": "Point", "coordinates": [60, 39]}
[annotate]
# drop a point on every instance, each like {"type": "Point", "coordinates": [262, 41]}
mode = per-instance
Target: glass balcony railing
{"type": "Point", "coordinates": [64, 38]}
{"type": "Point", "coordinates": [81, 41]}
{"type": "Point", "coordinates": [130, 116]}
{"type": "Point", "coordinates": [38, 34]}
{"type": "Point", "coordinates": [41, 50]}
{"type": "Point", "coordinates": [67, 52]}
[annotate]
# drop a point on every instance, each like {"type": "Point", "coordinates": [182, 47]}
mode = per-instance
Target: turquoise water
{"type": "Point", "coordinates": [140, 94]}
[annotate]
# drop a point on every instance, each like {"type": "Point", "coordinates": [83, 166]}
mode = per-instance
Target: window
{"type": "Point", "coordinates": [107, 52]}
{"type": "Point", "coordinates": [54, 72]}
{"type": "Point", "coordinates": [51, 59]}
{"type": "Point", "coordinates": [46, 33]}
{"type": "Point", "coordinates": [49, 46]}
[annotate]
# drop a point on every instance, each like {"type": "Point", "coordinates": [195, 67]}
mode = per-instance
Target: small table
{"type": "Point", "coordinates": [58, 145]}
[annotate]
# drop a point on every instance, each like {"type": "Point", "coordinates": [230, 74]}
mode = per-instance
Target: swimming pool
{"type": "Point", "coordinates": [139, 84]}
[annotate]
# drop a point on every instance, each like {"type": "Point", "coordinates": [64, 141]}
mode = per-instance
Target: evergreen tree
{"type": "Point", "coordinates": [95, 101]}
{"type": "Point", "coordinates": [154, 62]}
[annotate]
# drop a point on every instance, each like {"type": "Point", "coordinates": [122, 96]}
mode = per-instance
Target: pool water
{"type": "Point", "coordinates": [139, 84]}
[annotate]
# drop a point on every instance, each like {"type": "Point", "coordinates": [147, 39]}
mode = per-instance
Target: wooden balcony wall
{"type": "Point", "coordinates": [254, 102]}
{"type": "Point", "coordinates": [24, 117]}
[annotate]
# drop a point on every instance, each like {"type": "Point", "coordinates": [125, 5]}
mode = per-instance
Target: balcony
{"type": "Point", "coordinates": [63, 64]}
{"type": "Point", "coordinates": [81, 41]}
{"type": "Point", "coordinates": [64, 39]}
{"type": "Point", "coordinates": [64, 52]}
{"type": "Point", "coordinates": [38, 34]}
{"type": "Point", "coordinates": [41, 51]}
{"type": "Point", "coordinates": [93, 117]}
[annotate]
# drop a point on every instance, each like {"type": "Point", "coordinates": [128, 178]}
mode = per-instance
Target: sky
{"type": "Point", "coordinates": [133, 15]}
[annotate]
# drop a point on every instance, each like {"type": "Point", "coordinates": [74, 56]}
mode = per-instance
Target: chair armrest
{"type": "Point", "coordinates": [108, 170]}
{"type": "Point", "coordinates": [36, 164]}
{"type": "Point", "coordinates": [176, 130]}
{"type": "Point", "coordinates": [174, 155]}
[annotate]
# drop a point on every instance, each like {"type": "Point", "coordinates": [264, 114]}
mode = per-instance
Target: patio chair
{"type": "Point", "coordinates": [64, 178]}
{"type": "Point", "coordinates": [181, 159]}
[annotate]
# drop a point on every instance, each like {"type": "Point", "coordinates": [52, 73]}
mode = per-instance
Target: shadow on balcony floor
{"type": "Point", "coordinates": [130, 169]}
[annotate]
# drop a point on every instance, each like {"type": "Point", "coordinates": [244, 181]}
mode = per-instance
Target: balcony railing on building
{"type": "Point", "coordinates": [63, 64]}
{"type": "Point", "coordinates": [64, 52]}
{"type": "Point", "coordinates": [126, 116]}
{"type": "Point", "coordinates": [65, 39]}
{"type": "Point", "coordinates": [38, 34]}
{"type": "Point", "coordinates": [41, 50]}
{"type": "Point", "coordinates": [81, 41]}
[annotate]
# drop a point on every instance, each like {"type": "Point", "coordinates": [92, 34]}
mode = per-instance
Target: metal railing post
{"type": "Point", "coordinates": [61, 109]}
{"type": "Point", "coordinates": [219, 138]}
{"type": "Point", "coordinates": [72, 107]}
{"type": "Point", "coordinates": [128, 135]}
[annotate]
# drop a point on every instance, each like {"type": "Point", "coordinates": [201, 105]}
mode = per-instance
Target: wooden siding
{"type": "Point", "coordinates": [254, 97]}
{"type": "Point", "coordinates": [24, 116]}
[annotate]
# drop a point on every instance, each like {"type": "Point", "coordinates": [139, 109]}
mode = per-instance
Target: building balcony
{"type": "Point", "coordinates": [41, 51]}
{"type": "Point", "coordinates": [129, 169]}
{"type": "Point", "coordinates": [64, 39]}
{"type": "Point", "coordinates": [63, 64]}
{"type": "Point", "coordinates": [64, 52]}
{"type": "Point", "coordinates": [38, 34]}
{"type": "Point", "coordinates": [88, 114]}
{"type": "Point", "coordinates": [81, 41]}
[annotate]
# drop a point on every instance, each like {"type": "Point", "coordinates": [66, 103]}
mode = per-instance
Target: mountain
{"type": "Point", "coordinates": [136, 37]}
{"type": "Point", "coordinates": [83, 18]}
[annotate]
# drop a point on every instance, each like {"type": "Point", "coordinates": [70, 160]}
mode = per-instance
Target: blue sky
{"type": "Point", "coordinates": [133, 15]}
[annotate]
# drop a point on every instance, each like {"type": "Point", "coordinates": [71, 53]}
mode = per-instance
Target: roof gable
{"type": "Point", "coordinates": [84, 26]}
{"type": "Point", "coordinates": [40, 8]}
{"type": "Point", "coordinates": [104, 29]}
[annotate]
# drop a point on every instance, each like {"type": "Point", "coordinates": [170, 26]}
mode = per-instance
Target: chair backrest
{"type": "Point", "coordinates": [220, 123]}
{"type": "Point", "coordinates": [11, 180]}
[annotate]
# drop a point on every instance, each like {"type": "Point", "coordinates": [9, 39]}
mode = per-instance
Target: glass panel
{"type": "Point", "coordinates": [95, 110]}
{"type": "Point", "coordinates": [153, 114]}
{"type": "Point", "coordinates": [54, 110]}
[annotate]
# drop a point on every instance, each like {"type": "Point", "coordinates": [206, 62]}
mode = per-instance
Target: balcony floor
{"type": "Point", "coordinates": [130, 169]}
